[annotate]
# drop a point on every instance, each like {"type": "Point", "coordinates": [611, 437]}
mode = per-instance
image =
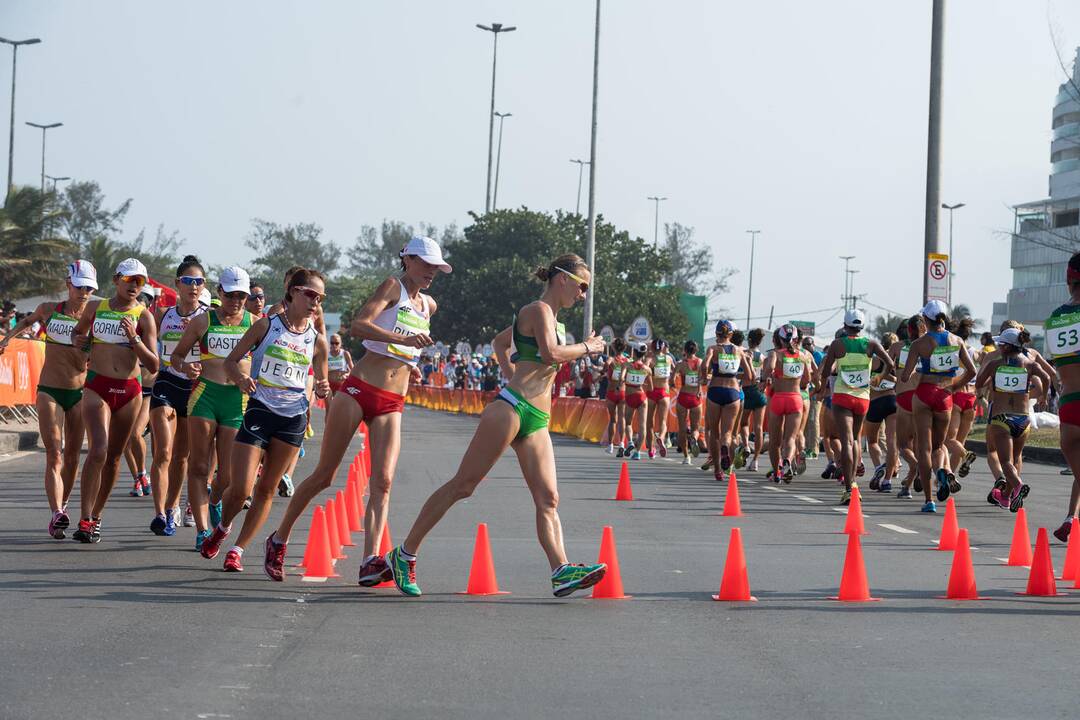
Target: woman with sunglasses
{"type": "Point", "coordinates": [615, 367]}
{"type": "Point", "coordinates": [169, 399]}
{"type": "Point", "coordinates": [519, 418]}
{"type": "Point", "coordinates": [339, 363]}
{"type": "Point", "coordinates": [282, 348]}
{"type": "Point", "coordinates": [120, 336]}
{"type": "Point", "coordinates": [135, 452]}
{"type": "Point", "coordinates": [724, 361]}
{"type": "Point", "coordinates": [395, 324]}
{"type": "Point", "coordinates": [216, 406]}
{"type": "Point", "coordinates": [256, 300]}
{"type": "Point", "coordinates": [661, 362]}
{"type": "Point", "coordinates": [60, 389]}
{"type": "Point", "coordinates": [638, 383]}
{"type": "Point", "coordinates": [688, 401]}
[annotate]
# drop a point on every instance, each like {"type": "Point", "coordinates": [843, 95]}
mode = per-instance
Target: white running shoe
{"type": "Point", "coordinates": [686, 460]}
{"type": "Point", "coordinates": [189, 517]}
{"type": "Point", "coordinates": [610, 449]}
{"type": "Point", "coordinates": [752, 465]}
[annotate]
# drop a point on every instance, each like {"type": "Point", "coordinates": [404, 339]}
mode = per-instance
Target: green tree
{"type": "Point", "coordinates": [280, 247]}
{"type": "Point", "coordinates": [375, 251]}
{"type": "Point", "coordinates": [86, 219]}
{"type": "Point", "coordinates": [885, 324]}
{"type": "Point", "coordinates": [33, 259]}
{"type": "Point", "coordinates": [960, 311]}
{"type": "Point", "coordinates": [692, 263]}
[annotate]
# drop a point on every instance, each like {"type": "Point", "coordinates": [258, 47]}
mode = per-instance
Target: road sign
{"type": "Point", "coordinates": [464, 349]}
{"type": "Point", "coordinates": [806, 328]}
{"type": "Point", "coordinates": [608, 334]}
{"type": "Point", "coordinates": [937, 277]}
{"type": "Point", "coordinates": [639, 331]}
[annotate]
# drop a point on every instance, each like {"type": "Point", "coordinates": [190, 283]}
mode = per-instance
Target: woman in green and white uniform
{"type": "Point", "coordinates": [529, 353]}
{"type": "Point", "coordinates": [60, 389]}
{"type": "Point", "coordinates": [661, 362]}
{"type": "Point", "coordinates": [216, 405]}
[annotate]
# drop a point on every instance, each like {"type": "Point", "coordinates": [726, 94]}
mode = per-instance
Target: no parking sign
{"type": "Point", "coordinates": [937, 277]}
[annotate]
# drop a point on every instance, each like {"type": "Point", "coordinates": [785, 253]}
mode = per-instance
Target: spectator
{"type": "Point", "coordinates": [7, 316]}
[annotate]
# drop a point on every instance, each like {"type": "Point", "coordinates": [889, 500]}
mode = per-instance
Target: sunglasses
{"type": "Point", "coordinates": [313, 295]}
{"type": "Point", "coordinates": [139, 280]}
{"type": "Point", "coordinates": [580, 281]}
{"type": "Point", "coordinates": [334, 342]}
{"type": "Point", "coordinates": [257, 296]}
{"type": "Point", "coordinates": [236, 295]}
{"type": "Point", "coordinates": [191, 280]}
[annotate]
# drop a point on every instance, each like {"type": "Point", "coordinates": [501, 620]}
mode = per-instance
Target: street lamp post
{"type": "Point", "coordinates": [494, 29]}
{"type": "Point", "coordinates": [498, 160]}
{"type": "Point", "coordinates": [43, 129]}
{"type": "Point", "coordinates": [590, 246]}
{"type": "Point", "coordinates": [847, 264]}
{"type": "Point", "coordinates": [656, 223]}
{"type": "Point", "coordinates": [11, 132]}
{"type": "Point", "coordinates": [851, 286]}
{"type": "Point", "coordinates": [581, 166]}
{"type": "Point", "coordinates": [56, 180]}
{"type": "Point", "coordinates": [952, 260]}
{"type": "Point", "coordinates": [750, 293]}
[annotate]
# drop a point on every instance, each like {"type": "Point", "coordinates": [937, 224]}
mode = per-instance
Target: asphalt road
{"type": "Point", "coordinates": [141, 626]}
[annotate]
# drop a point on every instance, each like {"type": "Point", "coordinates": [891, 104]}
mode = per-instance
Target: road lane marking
{"type": "Point", "coordinates": [897, 528]}
{"type": "Point", "coordinates": [807, 498]}
{"type": "Point", "coordinates": [844, 511]}
{"type": "Point", "coordinates": [774, 488]}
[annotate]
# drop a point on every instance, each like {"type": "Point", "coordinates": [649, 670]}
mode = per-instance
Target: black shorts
{"type": "Point", "coordinates": [171, 391]}
{"type": "Point", "coordinates": [261, 425]}
{"type": "Point", "coordinates": [881, 408]}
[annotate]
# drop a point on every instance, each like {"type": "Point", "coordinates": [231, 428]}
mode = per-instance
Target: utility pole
{"type": "Point", "coordinates": [933, 142]}
{"type": "Point", "coordinates": [952, 260]}
{"type": "Point", "coordinates": [847, 277]}
{"type": "Point", "coordinates": [56, 180]}
{"type": "Point", "coordinates": [656, 223]}
{"type": "Point", "coordinates": [43, 129]}
{"type": "Point", "coordinates": [494, 29]}
{"type": "Point", "coordinates": [750, 293]}
{"type": "Point", "coordinates": [581, 166]}
{"type": "Point", "coordinates": [15, 44]}
{"type": "Point", "coordinates": [498, 160]}
{"type": "Point", "coordinates": [590, 248]}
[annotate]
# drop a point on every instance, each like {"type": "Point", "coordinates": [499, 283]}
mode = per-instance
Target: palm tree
{"type": "Point", "coordinates": [33, 258]}
{"type": "Point", "coordinates": [959, 312]}
{"type": "Point", "coordinates": [886, 324]}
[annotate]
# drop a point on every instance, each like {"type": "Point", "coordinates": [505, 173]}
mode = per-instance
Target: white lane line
{"type": "Point", "coordinates": [844, 511]}
{"type": "Point", "coordinates": [774, 488]}
{"type": "Point", "coordinates": [807, 498]}
{"type": "Point", "coordinates": [897, 528]}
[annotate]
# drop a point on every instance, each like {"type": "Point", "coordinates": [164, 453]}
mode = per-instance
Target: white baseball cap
{"type": "Point", "coordinates": [131, 266]}
{"type": "Point", "coordinates": [204, 297]}
{"type": "Point", "coordinates": [82, 273]}
{"type": "Point", "coordinates": [1009, 336]}
{"type": "Point", "coordinates": [935, 308]}
{"type": "Point", "coordinates": [234, 278]}
{"type": "Point", "coordinates": [854, 318]}
{"type": "Point", "coordinates": [427, 250]}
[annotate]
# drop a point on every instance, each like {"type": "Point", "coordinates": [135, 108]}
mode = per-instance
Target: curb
{"type": "Point", "coordinates": [1048, 456]}
{"type": "Point", "coordinates": [15, 440]}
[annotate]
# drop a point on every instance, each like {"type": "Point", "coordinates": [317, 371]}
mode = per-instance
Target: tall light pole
{"type": "Point", "coordinates": [656, 223]}
{"type": "Point", "coordinates": [933, 142]}
{"type": "Point", "coordinates": [590, 247]}
{"type": "Point", "coordinates": [847, 264]}
{"type": "Point", "coordinates": [498, 159]}
{"type": "Point", "coordinates": [15, 44]}
{"type": "Point", "coordinates": [851, 286]}
{"type": "Point", "coordinates": [56, 180]}
{"type": "Point", "coordinates": [952, 260]}
{"type": "Point", "coordinates": [750, 293]}
{"type": "Point", "coordinates": [581, 166]}
{"type": "Point", "coordinates": [494, 29]}
{"type": "Point", "coordinates": [43, 129]}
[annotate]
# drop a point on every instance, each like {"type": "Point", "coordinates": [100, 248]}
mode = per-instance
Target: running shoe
{"type": "Point", "coordinates": [58, 524]}
{"type": "Point", "coordinates": [845, 497]}
{"type": "Point", "coordinates": [725, 459]}
{"type": "Point", "coordinates": [635, 455]}
{"type": "Point", "coordinates": [999, 489]}
{"type": "Point", "coordinates": [610, 449]}
{"type": "Point", "coordinates": [1016, 500]}
{"type": "Point", "coordinates": [375, 571]}
{"type": "Point", "coordinates": [147, 489]}
{"type": "Point", "coordinates": [620, 451]}
{"type": "Point", "coordinates": [232, 562]}
{"type": "Point", "coordinates": [965, 466]}
{"type": "Point", "coordinates": [652, 454]}
{"type": "Point", "coordinates": [1062, 533]}
{"type": "Point", "coordinates": [943, 488]}
{"type": "Point", "coordinates": [707, 465]}
{"type": "Point", "coordinates": [788, 473]}
{"type": "Point", "coordinates": [95, 530]}
{"type": "Point", "coordinates": [771, 475]}
{"type": "Point", "coordinates": [170, 522]}
{"type": "Point", "coordinates": [904, 493]}
{"type": "Point", "coordinates": [998, 498]}
{"type": "Point", "coordinates": [918, 484]}
{"type": "Point", "coordinates": [695, 447]}
{"type": "Point", "coordinates": [189, 517]}
{"type": "Point", "coordinates": [929, 507]}
{"type": "Point", "coordinates": [570, 578]}
{"type": "Point", "coordinates": [84, 531]}
{"type": "Point", "coordinates": [813, 454]}
{"type": "Point", "coordinates": [136, 489]}
{"type": "Point", "coordinates": [157, 525]}
{"type": "Point", "coordinates": [886, 486]}
{"type": "Point", "coordinates": [686, 460]}
{"type": "Point", "coordinates": [200, 538]}
{"type": "Point", "coordinates": [215, 513]}
{"type": "Point", "coordinates": [719, 475]}
{"type": "Point", "coordinates": [861, 470]}
{"type": "Point", "coordinates": [247, 503]}
{"type": "Point", "coordinates": [753, 466]}
{"type": "Point", "coordinates": [954, 486]}
{"type": "Point", "coordinates": [274, 559]}
{"type": "Point", "coordinates": [740, 456]}
{"type": "Point", "coordinates": [879, 473]}
{"type": "Point", "coordinates": [800, 462]}
{"type": "Point", "coordinates": [661, 448]}
{"type": "Point", "coordinates": [829, 471]}
{"type": "Point", "coordinates": [403, 572]}
{"type": "Point", "coordinates": [212, 545]}
{"type": "Point", "coordinates": [285, 486]}
{"type": "Point", "coordinates": [630, 447]}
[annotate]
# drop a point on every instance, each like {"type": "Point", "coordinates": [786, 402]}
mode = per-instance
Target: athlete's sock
{"type": "Point", "coordinates": [405, 553]}
{"type": "Point", "coordinates": [274, 540]}
{"type": "Point", "coordinates": [224, 528]}
{"type": "Point", "coordinates": [237, 549]}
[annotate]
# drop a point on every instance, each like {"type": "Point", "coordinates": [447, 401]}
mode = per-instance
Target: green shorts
{"type": "Point", "coordinates": [531, 418]}
{"type": "Point", "coordinates": [67, 398]}
{"type": "Point", "coordinates": [222, 404]}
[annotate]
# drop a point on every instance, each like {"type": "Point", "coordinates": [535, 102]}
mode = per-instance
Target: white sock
{"type": "Point", "coordinates": [405, 553]}
{"type": "Point", "coordinates": [224, 528]}
{"type": "Point", "coordinates": [237, 549]}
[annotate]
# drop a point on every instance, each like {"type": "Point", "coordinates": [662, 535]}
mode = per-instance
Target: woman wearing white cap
{"type": "Point", "coordinates": [216, 406]}
{"type": "Point", "coordinates": [169, 399]}
{"type": "Point", "coordinates": [60, 389]}
{"type": "Point", "coordinates": [120, 336]}
{"type": "Point", "coordinates": [853, 355]}
{"type": "Point", "coordinates": [939, 355]}
{"type": "Point", "coordinates": [394, 323]}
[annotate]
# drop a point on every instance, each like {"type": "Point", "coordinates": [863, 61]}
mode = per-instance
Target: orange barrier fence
{"type": "Point", "coordinates": [20, 368]}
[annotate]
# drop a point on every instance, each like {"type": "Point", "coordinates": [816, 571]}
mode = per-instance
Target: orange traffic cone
{"type": "Point", "coordinates": [732, 506]}
{"type": "Point", "coordinates": [1041, 578]}
{"type": "Point", "coordinates": [624, 492]}
{"type": "Point", "coordinates": [735, 585]}
{"type": "Point", "coordinates": [949, 528]}
{"type": "Point", "coordinates": [385, 546]}
{"type": "Point", "coordinates": [355, 502]}
{"type": "Point", "coordinates": [482, 574]}
{"type": "Point", "coordinates": [853, 584]}
{"type": "Point", "coordinates": [854, 523]}
{"type": "Point", "coordinates": [1020, 552]}
{"type": "Point", "coordinates": [962, 577]}
{"type": "Point", "coordinates": [610, 588]}
{"type": "Point", "coordinates": [332, 531]}
{"type": "Point", "coordinates": [318, 559]}
{"type": "Point", "coordinates": [343, 521]}
{"type": "Point", "coordinates": [1071, 569]}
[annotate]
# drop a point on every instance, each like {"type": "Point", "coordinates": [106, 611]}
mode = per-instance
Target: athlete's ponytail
{"type": "Point", "coordinates": [1024, 337]}
{"type": "Point", "coordinates": [888, 339]}
{"type": "Point", "coordinates": [690, 348]}
{"type": "Point", "coordinates": [618, 345]}
{"type": "Point", "coordinates": [189, 262]}
{"type": "Point", "coordinates": [566, 263]}
{"type": "Point", "coordinates": [737, 338]}
{"type": "Point", "coordinates": [754, 337]}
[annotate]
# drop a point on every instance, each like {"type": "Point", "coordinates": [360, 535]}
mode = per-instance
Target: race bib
{"type": "Point", "coordinates": [221, 339]}
{"type": "Point", "coordinates": [617, 372]}
{"type": "Point", "coordinates": [856, 378]}
{"type": "Point", "coordinates": [902, 360]}
{"type": "Point", "coordinates": [408, 323]}
{"type": "Point", "coordinates": [793, 367]}
{"type": "Point", "coordinates": [662, 369]}
{"type": "Point", "coordinates": [284, 368]}
{"type": "Point", "coordinates": [1009, 379]}
{"type": "Point", "coordinates": [944, 358]}
{"type": "Point", "coordinates": [1063, 335]}
{"type": "Point", "coordinates": [885, 385]}
{"type": "Point", "coordinates": [691, 378]}
{"type": "Point", "coordinates": [635, 377]}
{"type": "Point", "coordinates": [728, 364]}
{"type": "Point", "coordinates": [60, 328]}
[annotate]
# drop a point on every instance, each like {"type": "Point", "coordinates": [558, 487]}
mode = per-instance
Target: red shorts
{"type": "Point", "coordinates": [116, 392]}
{"type": "Point", "coordinates": [614, 396]}
{"type": "Point", "coordinates": [372, 400]}
{"type": "Point", "coordinates": [635, 400]}
{"type": "Point", "coordinates": [657, 394]}
{"type": "Point", "coordinates": [935, 397]}
{"type": "Point", "coordinates": [904, 399]}
{"type": "Point", "coordinates": [1069, 412]}
{"type": "Point", "coordinates": [335, 386]}
{"type": "Point", "coordinates": [688, 400]}
{"type": "Point", "coordinates": [963, 401]}
{"type": "Point", "coordinates": [857, 406]}
{"type": "Point", "coordinates": [785, 403]}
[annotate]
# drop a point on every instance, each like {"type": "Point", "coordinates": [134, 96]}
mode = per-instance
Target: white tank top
{"type": "Point", "coordinates": [403, 319]}
{"type": "Point", "coordinates": [171, 330]}
{"type": "Point", "coordinates": [336, 363]}
{"type": "Point", "coordinates": [281, 361]}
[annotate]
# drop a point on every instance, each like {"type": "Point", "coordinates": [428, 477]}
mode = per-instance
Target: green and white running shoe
{"type": "Point", "coordinates": [404, 572]}
{"type": "Point", "coordinates": [570, 578]}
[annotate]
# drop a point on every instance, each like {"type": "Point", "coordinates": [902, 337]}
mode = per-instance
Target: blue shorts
{"type": "Point", "coordinates": [724, 395]}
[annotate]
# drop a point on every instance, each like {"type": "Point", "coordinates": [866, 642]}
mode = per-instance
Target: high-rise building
{"type": "Point", "coordinates": [1047, 232]}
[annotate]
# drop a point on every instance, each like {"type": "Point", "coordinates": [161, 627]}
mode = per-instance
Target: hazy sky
{"type": "Point", "coordinates": [804, 120]}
